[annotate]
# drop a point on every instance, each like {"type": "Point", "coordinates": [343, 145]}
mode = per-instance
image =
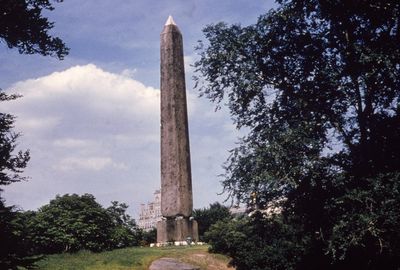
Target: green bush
{"type": "Point", "coordinates": [71, 222]}
{"type": "Point", "coordinates": [208, 216]}
{"type": "Point", "coordinates": [257, 242]}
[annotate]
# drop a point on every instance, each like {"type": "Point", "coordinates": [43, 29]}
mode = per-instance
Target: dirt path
{"type": "Point", "coordinates": [207, 261]}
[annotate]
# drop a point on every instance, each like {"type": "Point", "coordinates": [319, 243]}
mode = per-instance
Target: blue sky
{"type": "Point", "coordinates": [91, 121]}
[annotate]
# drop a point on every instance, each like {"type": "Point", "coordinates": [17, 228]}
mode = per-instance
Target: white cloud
{"type": "Point", "coordinates": [86, 98]}
{"type": "Point", "coordinates": [89, 163]}
{"type": "Point", "coordinates": [38, 123]}
{"type": "Point", "coordinates": [71, 143]}
{"type": "Point", "coordinates": [130, 73]}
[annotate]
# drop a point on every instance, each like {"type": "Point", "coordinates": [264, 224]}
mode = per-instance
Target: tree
{"type": "Point", "coordinates": [368, 229]}
{"type": "Point", "coordinates": [256, 242]}
{"type": "Point", "coordinates": [71, 223]}
{"type": "Point", "coordinates": [11, 165]}
{"type": "Point", "coordinates": [125, 231]}
{"type": "Point", "coordinates": [208, 216]}
{"type": "Point", "coordinates": [317, 84]}
{"type": "Point", "coordinates": [23, 26]}
{"type": "Point", "coordinates": [15, 250]}
{"type": "Point", "coordinates": [147, 237]}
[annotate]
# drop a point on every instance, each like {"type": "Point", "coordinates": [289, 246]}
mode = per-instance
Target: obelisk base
{"type": "Point", "coordinates": [178, 231]}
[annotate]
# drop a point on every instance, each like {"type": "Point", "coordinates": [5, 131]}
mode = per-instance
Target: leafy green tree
{"type": "Point", "coordinates": [257, 242]}
{"type": "Point", "coordinates": [208, 216]}
{"type": "Point", "coordinates": [147, 237]}
{"type": "Point", "coordinates": [71, 223]}
{"type": "Point", "coordinates": [317, 84]}
{"type": "Point", "coordinates": [15, 250]}
{"type": "Point", "coordinates": [369, 228]}
{"type": "Point", "coordinates": [24, 227]}
{"type": "Point", "coordinates": [125, 232]}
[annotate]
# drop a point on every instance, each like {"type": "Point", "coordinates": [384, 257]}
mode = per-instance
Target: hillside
{"type": "Point", "coordinates": [133, 259]}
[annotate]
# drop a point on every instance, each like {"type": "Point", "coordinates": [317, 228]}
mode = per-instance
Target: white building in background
{"type": "Point", "coordinates": [150, 213]}
{"type": "Point", "coordinates": [238, 210]}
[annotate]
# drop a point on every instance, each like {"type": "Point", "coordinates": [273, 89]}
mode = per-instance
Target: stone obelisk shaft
{"type": "Point", "coordinates": [176, 182]}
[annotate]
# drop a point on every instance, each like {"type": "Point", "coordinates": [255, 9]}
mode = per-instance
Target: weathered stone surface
{"type": "Point", "coordinates": [177, 229]}
{"type": "Point", "coordinates": [176, 182]}
{"type": "Point", "coordinates": [195, 231]}
{"type": "Point", "coordinates": [171, 264]}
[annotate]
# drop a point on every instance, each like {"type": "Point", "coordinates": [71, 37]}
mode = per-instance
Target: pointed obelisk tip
{"type": "Point", "coordinates": [170, 20]}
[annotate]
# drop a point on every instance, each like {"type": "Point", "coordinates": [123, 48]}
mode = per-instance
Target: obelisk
{"type": "Point", "coordinates": [176, 180]}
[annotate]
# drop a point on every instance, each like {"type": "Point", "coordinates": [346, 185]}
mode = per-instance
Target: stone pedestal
{"type": "Point", "coordinates": [175, 230]}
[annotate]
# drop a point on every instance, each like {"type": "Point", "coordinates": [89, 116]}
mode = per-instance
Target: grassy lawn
{"type": "Point", "coordinates": [133, 259]}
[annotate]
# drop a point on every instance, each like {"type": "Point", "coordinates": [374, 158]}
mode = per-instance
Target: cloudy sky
{"type": "Point", "coordinates": [91, 121]}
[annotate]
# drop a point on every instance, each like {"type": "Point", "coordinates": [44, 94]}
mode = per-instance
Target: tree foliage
{"type": "Point", "coordinates": [367, 229]}
{"type": "Point", "coordinates": [257, 242]}
{"type": "Point", "coordinates": [15, 251]}
{"type": "Point", "coordinates": [71, 222]}
{"type": "Point", "coordinates": [23, 26]}
{"type": "Point", "coordinates": [11, 164]}
{"type": "Point", "coordinates": [125, 232]}
{"type": "Point", "coordinates": [317, 84]}
{"type": "Point", "coordinates": [147, 237]}
{"type": "Point", "coordinates": [208, 216]}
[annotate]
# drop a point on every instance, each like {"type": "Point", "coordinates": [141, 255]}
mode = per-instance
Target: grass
{"type": "Point", "coordinates": [133, 259]}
